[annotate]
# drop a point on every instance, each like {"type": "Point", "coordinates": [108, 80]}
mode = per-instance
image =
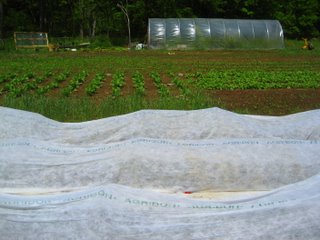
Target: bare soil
{"type": "Point", "coordinates": [271, 101]}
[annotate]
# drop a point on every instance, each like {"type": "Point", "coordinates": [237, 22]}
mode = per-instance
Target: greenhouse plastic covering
{"type": "Point", "coordinates": [203, 33]}
{"type": "Point", "coordinates": [157, 174]}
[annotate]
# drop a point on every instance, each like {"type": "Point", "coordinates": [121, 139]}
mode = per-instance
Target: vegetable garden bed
{"type": "Point", "coordinates": [235, 80]}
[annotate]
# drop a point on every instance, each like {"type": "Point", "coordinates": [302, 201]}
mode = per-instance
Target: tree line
{"type": "Point", "coordinates": [111, 18]}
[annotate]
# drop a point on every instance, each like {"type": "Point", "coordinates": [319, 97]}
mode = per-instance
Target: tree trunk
{"type": "Point", "coordinates": [1, 19]}
{"type": "Point", "coordinates": [129, 31]}
{"type": "Point", "coordinates": [81, 31]}
{"type": "Point", "coordinates": [82, 18]}
{"type": "Point", "coordinates": [125, 11]}
{"type": "Point", "coordinates": [93, 30]}
{"type": "Point", "coordinates": [41, 15]}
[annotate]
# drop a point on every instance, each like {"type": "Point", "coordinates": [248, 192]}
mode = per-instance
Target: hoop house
{"type": "Point", "coordinates": [203, 33]}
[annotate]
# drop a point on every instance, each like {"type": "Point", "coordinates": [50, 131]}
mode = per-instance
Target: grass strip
{"type": "Point", "coordinates": [69, 109]}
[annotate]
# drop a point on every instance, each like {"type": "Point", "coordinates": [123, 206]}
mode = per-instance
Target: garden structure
{"type": "Point", "coordinates": [203, 33]}
{"type": "Point", "coordinates": [31, 40]}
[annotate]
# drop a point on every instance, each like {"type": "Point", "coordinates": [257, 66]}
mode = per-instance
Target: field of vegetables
{"type": "Point", "coordinates": [77, 86]}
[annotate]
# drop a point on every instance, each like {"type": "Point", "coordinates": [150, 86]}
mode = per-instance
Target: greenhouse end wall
{"type": "Point", "coordinates": [203, 33]}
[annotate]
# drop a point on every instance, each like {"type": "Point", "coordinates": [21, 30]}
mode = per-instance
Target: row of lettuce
{"type": "Point", "coordinates": [67, 83]}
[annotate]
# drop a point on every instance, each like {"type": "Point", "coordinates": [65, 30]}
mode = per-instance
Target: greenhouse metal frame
{"type": "Point", "coordinates": [204, 33]}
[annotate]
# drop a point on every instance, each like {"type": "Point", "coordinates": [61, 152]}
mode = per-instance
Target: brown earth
{"type": "Point", "coordinates": [261, 102]}
{"type": "Point", "coordinates": [270, 102]}
{"type": "Point", "coordinates": [264, 102]}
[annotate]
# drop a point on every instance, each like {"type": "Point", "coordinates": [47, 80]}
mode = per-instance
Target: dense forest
{"type": "Point", "coordinates": [111, 18]}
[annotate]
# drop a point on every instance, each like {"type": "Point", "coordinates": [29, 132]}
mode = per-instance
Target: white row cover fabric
{"type": "Point", "coordinates": [212, 123]}
{"type": "Point", "coordinates": [123, 177]}
{"type": "Point", "coordinates": [220, 165]}
{"type": "Point", "coordinates": [203, 33]}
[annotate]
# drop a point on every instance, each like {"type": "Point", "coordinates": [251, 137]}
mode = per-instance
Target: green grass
{"type": "Point", "coordinates": [84, 109]}
{"type": "Point", "coordinates": [183, 61]}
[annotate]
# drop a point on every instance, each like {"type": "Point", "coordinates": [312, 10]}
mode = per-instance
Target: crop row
{"type": "Point", "coordinates": [15, 86]}
{"type": "Point", "coordinates": [161, 87]}
{"type": "Point", "coordinates": [75, 83]}
{"type": "Point", "coordinates": [139, 83]}
{"type": "Point", "coordinates": [231, 79]}
{"type": "Point", "coordinates": [95, 84]}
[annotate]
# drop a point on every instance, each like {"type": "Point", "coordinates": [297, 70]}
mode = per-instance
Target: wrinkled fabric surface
{"type": "Point", "coordinates": [125, 177]}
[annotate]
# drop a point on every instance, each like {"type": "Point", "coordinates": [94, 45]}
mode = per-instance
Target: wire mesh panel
{"type": "Point", "coordinates": [31, 39]}
{"type": "Point", "coordinates": [203, 33]}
